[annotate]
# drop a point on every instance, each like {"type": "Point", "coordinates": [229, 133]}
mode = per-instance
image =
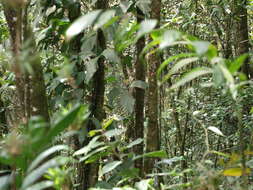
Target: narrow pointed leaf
{"type": "Point", "coordinates": [195, 73]}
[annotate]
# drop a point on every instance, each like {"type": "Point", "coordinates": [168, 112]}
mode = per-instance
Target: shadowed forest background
{"type": "Point", "coordinates": [126, 94]}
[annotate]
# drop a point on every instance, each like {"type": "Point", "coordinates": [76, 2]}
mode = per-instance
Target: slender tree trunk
{"type": "Point", "coordinates": [152, 102]}
{"type": "Point", "coordinates": [139, 95]}
{"type": "Point", "coordinates": [30, 86]}
{"type": "Point", "coordinates": [97, 101]}
{"type": "Point", "coordinates": [242, 34]}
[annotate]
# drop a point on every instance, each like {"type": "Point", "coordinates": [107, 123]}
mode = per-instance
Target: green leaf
{"type": "Point", "coordinates": [146, 27]}
{"type": "Point", "coordinates": [98, 150]}
{"type": "Point", "coordinates": [235, 172]}
{"type": "Point", "coordinates": [171, 59]}
{"type": "Point", "coordinates": [41, 185]}
{"type": "Point", "coordinates": [169, 37]}
{"type": "Point", "coordinates": [40, 171]}
{"type": "Point", "coordinates": [144, 6]}
{"type": "Point", "coordinates": [82, 23]}
{"type": "Point", "coordinates": [45, 154]}
{"type": "Point", "coordinates": [236, 64]}
{"type": "Point", "coordinates": [104, 18]}
{"type": "Point", "coordinates": [4, 182]}
{"type": "Point", "coordinates": [143, 184]}
{"type": "Point", "coordinates": [125, 5]}
{"type": "Point", "coordinates": [91, 68]}
{"type": "Point", "coordinates": [92, 144]}
{"type": "Point", "coordinates": [111, 55]}
{"type": "Point", "coordinates": [195, 73]}
{"type": "Point", "coordinates": [108, 123]}
{"type": "Point", "coordinates": [135, 142]}
{"type": "Point", "coordinates": [139, 84]}
{"type": "Point", "coordinates": [114, 132]}
{"type": "Point", "coordinates": [201, 47]}
{"type": "Point", "coordinates": [110, 166]}
{"type": "Point", "coordinates": [64, 122]}
{"type": "Point", "coordinates": [179, 65]}
{"type": "Point", "coordinates": [156, 154]}
{"type": "Point", "coordinates": [127, 101]}
{"type": "Point", "coordinates": [215, 130]}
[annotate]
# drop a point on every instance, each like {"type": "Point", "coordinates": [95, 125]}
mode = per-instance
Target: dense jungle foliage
{"type": "Point", "coordinates": [126, 94]}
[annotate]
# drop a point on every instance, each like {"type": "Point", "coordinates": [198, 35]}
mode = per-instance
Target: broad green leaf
{"type": "Point", "coordinates": [127, 101]}
{"type": "Point", "coordinates": [179, 65]}
{"type": "Point", "coordinates": [82, 23]}
{"type": "Point", "coordinates": [135, 142]}
{"type": "Point", "coordinates": [108, 123]}
{"type": "Point", "coordinates": [92, 144]}
{"type": "Point", "coordinates": [125, 5]}
{"type": "Point", "coordinates": [111, 55]}
{"type": "Point", "coordinates": [195, 73]}
{"type": "Point", "coordinates": [45, 154]}
{"type": "Point", "coordinates": [104, 18]}
{"type": "Point", "coordinates": [236, 64]}
{"type": "Point", "coordinates": [139, 84]}
{"type": "Point", "coordinates": [98, 150]}
{"type": "Point", "coordinates": [114, 132]}
{"type": "Point", "coordinates": [41, 185]}
{"type": "Point", "coordinates": [201, 47]}
{"type": "Point", "coordinates": [215, 130]}
{"type": "Point", "coordinates": [156, 154]}
{"type": "Point", "coordinates": [91, 68]}
{"type": "Point", "coordinates": [235, 172]}
{"type": "Point", "coordinates": [64, 122]}
{"type": "Point", "coordinates": [146, 26]}
{"type": "Point", "coordinates": [40, 171]}
{"type": "Point", "coordinates": [4, 182]}
{"type": "Point", "coordinates": [168, 38]}
{"type": "Point", "coordinates": [110, 166]}
{"type": "Point", "coordinates": [220, 154]}
{"type": "Point", "coordinates": [143, 184]}
{"type": "Point", "coordinates": [171, 59]}
{"type": "Point", "coordinates": [144, 6]}
{"type": "Point", "coordinates": [171, 160]}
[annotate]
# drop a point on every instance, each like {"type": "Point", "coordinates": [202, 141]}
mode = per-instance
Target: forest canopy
{"type": "Point", "coordinates": [126, 94]}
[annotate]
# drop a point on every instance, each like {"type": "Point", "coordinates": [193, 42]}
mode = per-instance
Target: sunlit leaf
{"type": "Point", "coordinates": [135, 142]}
{"type": "Point", "coordinates": [235, 172]}
{"type": "Point", "coordinates": [139, 84]}
{"type": "Point", "coordinates": [110, 166]}
{"type": "Point", "coordinates": [195, 73]}
{"type": "Point", "coordinates": [64, 122]}
{"type": "Point", "coordinates": [41, 185]}
{"type": "Point", "coordinates": [114, 132]}
{"type": "Point", "coordinates": [82, 23]}
{"type": "Point", "coordinates": [170, 60]}
{"type": "Point", "coordinates": [40, 171]}
{"type": "Point", "coordinates": [215, 130]}
{"type": "Point", "coordinates": [45, 154]}
{"type": "Point", "coordinates": [201, 47]}
{"type": "Point", "coordinates": [104, 18]}
{"type": "Point", "coordinates": [146, 26]}
{"type": "Point", "coordinates": [179, 65]}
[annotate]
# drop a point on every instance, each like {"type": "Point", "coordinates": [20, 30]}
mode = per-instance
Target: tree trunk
{"type": "Point", "coordinates": [30, 86]}
{"type": "Point", "coordinates": [152, 102]}
{"type": "Point", "coordinates": [97, 102]}
{"type": "Point", "coordinates": [242, 34]}
{"type": "Point", "coordinates": [139, 95]}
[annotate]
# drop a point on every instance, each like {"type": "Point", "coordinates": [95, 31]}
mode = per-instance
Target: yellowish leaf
{"type": "Point", "coordinates": [235, 172]}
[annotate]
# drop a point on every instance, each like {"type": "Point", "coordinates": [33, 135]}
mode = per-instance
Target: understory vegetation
{"type": "Point", "coordinates": [126, 95]}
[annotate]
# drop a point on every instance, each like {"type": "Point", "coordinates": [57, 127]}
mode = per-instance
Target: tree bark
{"type": "Point", "coordinates": [30, 86]}
{"type": "Point", "coordinates": [152, 143]}
{"type": "Point", "coordinates": [97, 102]}
{"type": "Point", "coordinates": [139, 94]}
{"type": "Point", "coordinates": [242, 34]}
